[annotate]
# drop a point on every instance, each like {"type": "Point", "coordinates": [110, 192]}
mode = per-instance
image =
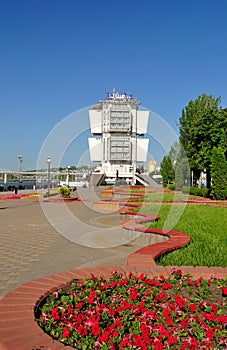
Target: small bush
{"type": "Point", "coordinates": [186, 189]}
{"type": "Point", "coordinates": [172, 187]}
{"type": "Point", "coordinates": [196, 191]}
{"type": "Point", "coordinates": [65, 191]}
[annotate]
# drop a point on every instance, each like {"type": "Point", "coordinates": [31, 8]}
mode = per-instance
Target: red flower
{"type": "Point", "coordinates": [55, 314]}
{"type": "Point", "coordinates": [180, 301]}
{"type": "Point", "coordinates": [179, 272]}
{"type": "Point", "coordinates": [157, 345]}
{"type": "Point", "coordinates": [95, 329]}
{"type": "Point", "coordinates": [173, 340]}
{"type": "Point", "coordinates": [66, 332]}
{"type": "Point", "coordinates": [224, 290]}
{"type": "Point", "coordinates": [209, 316]}
{"type": "Point", "coordinates": [166, 285]}
{"type": "Point", "coordinates": [215, 308]}
{"type": "Point", "coordinates": [197, 282]}
{"type": "Point", "coordinates": [161, 278]}
{"type": "Point", "coordinates": [194, 344]}
{"type": "Point", "coordinates": [210, 334]}
{"type": "Point", "coordinates": [104, 337]}
{"type": "Point", "coordinates": [80, 304]}
{"type": "Point", "coordinates": [184, 323]}
{"type": "Point", "coordinates": [70, 311]}
{"type": "Point", "coordinates": [92, 297]}
{"type": "Point", "coordinates": [169, 321]}
{"type": "Point", "coordinates": [115, 333]}
{"type": "Point", "coordinates": [193, 307]}
{"type": "Point", "coordinates": [82, 330]}
{"type": "Point", "coordinates": [125, 342]}
{"type": "Point", "coordinates": [142, 277]}
{"type": "Point", "coordinates": [154, 282]}
{"type": "Point", "coordinates": [134, 295]}
{"type": "Point", "coordinates": [113, 284]}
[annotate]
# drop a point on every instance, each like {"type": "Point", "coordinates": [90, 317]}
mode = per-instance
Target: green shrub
{"type": "Point", "coordinates": [172, 187]}
{"type": "Point", "coordinates": [218, 174]}
{"type": "Point", "coordinates": [65, 191]}
{"type": "Point", "coordinates": [196, 191]}
{"type": "Point", "coordinates": [201, 192]}
{"type": "Point", "coordinates": [179, 177]}
{"type": "Point", "coordinates": [186, 189]}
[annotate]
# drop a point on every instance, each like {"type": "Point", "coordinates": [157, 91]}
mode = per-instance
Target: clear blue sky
{"type": "Point", "coordinates": [59, 56]}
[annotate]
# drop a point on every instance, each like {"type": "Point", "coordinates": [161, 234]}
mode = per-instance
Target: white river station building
{"type": "Point", "coordinates": [118, 144]}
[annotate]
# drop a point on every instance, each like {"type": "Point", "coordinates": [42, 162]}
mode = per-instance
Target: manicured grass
{"type": "Point", "coordinates": [165, 196]}
{"type": "Point", "coordinates": [207, 228]}
{"type": "Point", "coordinates": [161, 197]}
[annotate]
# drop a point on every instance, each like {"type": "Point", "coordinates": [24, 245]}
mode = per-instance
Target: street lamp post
{"type": "Point", "coordinates": [48, 176]}
{"type": "Point", "coordinates": [20, 161]}
{"type": "Point", "coordinates": [68, 170]}
{"type": "Point", "coordinates": [34, 182]}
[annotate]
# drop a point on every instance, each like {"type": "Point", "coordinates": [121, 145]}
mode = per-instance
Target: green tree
{"type": "Point", "coordinates": [167, 171]}
{"type": "Point", "coordinates": [180, 165]}
{"type": "Point", "coordinates": [179, 177]}
{"type": "Point", "coordinates": [202, 126]}
{"type": "Point", "coordinates": [218, 174]}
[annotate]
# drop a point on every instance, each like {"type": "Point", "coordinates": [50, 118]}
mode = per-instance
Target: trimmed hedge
{"type": "Point", "coordinates": [196, 191]}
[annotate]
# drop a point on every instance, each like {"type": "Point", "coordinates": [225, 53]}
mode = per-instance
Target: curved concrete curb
{"type": "Point", "coordinates": [151, 252]}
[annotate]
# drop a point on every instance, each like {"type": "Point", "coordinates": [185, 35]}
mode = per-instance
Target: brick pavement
{"type": "Point", "coordinates": [31, 248]}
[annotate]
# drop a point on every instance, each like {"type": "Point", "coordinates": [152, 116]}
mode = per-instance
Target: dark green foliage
{"type": "Point", "coordinates": [219, 174]}
{"type": "Point", "coordinates": [172, 187]}
{"type": "Point", "coordinates": [179, 177]}
{"type": "Point", "coordinates": [186, 189]}
{"type": "Point", "coordinates": [196, 191]}
{"type": "Point", "coordinates": [201, 192]}
{"type": "Point", "coordinates": [167, 171]}
{"type": "Point", "coordinates": [175, 167]}
{"type": "Point", "coordinates": [203, 125]}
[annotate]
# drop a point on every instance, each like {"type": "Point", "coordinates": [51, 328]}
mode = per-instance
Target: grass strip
{"type": "Point", "coordinates": [206, 227]}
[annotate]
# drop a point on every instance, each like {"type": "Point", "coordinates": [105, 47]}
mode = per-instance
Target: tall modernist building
{"type": "Point", "coordinates": [118, 127]}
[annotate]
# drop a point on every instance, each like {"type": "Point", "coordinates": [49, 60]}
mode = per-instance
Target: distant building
{"type": "Point", "coordinates": [152, 164]}
{"type": "Point", "coordinates": [118, 127]}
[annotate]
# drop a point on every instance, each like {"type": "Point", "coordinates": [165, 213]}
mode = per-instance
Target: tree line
{"type": "Point", "coordinates": [202, 148]}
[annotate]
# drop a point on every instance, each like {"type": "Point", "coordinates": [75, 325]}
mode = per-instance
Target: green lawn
{"type": "Point", "coordinates": [207, 228]}
{"type": "Point", "coordinates": [166, 196]}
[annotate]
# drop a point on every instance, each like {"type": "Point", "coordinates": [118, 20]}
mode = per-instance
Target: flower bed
{"type": "Point", "coordinates": [138, 313]}
{"type": "Point", "coordinates": [13, 196]}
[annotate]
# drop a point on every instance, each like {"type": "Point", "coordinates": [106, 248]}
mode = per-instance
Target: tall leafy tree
{"type": "Point", "coordinates": [179, 177]}
{"type": "Point", "coordinates": [202, 126]}
{"type": "Point", "coordinates": [180, 165]}
{"type": "Point", "coordinates": [166, 170]}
